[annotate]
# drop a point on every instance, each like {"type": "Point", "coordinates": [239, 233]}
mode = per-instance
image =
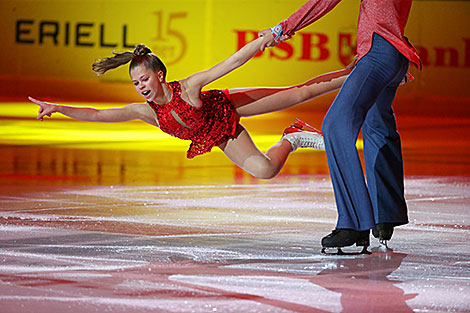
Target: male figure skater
{"type": "Point", "coordinates": [364, 101]}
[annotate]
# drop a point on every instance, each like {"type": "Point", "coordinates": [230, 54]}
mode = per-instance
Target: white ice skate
{"type": "Point", "coordinates": [302, 135]}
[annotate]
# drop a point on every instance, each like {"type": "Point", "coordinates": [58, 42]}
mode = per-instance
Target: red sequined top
{"type": "Point", "coordinates": [211, 125]}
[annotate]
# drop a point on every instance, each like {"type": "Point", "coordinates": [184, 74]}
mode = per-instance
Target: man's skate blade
{"type": "Point", "coordinates": [383, 248]}
{"type": "Point", "coordinates": [342, 251]}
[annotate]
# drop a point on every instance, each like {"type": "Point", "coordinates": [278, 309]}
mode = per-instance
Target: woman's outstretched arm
{"type": "Point", "coordinates": [194, 83]}
{"type": "Point", "coordinates": [127, 113]}
{"type": "Point", "coordinates": [234, 61]}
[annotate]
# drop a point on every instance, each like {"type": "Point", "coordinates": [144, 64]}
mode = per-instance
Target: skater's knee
{"type": "Point", "coordinates": [265, 172]}
{"type": "Point", "coordinates": [270, 175]}
{"type": "Point", "coordinates": [261, 168]}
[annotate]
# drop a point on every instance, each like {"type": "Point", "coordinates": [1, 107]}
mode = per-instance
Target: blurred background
{"type": "Point", "coordinates": [49, 46]}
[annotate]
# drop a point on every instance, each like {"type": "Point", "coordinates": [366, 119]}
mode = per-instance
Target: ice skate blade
{"type": "Point", "coordinates": [339, 251]}
{"type": "Point", "coordinates": [383, 247]}
{"type": "Point", "coordinates": [301, 125]}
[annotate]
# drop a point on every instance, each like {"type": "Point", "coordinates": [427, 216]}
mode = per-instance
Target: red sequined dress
{"type": "Point", "coordinates": [212, 124]}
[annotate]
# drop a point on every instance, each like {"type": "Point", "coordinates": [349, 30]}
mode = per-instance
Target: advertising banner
{"type": "Point", "coordinates": [58, 40]}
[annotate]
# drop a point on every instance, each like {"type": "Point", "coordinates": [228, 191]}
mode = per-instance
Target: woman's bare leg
{"type": "Point", "coordinates": [255, 101]}
{"type": "Point", "coordinates": [243, 152]}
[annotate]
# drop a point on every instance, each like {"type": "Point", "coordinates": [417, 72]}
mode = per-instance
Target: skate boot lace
{"type": "Point", "coordinates": [306, 139]}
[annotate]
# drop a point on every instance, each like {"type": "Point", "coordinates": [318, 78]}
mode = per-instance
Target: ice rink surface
{"type": "Point", "coordinates": [111, 229]}
{"type": "Point", "coordinates": [226, 248]}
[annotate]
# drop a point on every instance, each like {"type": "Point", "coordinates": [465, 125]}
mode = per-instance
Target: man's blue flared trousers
{"type": "Point", "coordinates": [365, 101]}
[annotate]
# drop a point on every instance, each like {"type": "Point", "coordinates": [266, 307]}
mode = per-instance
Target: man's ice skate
{"type": "Point", "coordinates": [340, 238]}
{"type": "Point", "coordinates": [384, 232]}
{"type": "Point", "coordinates": [302, 135]}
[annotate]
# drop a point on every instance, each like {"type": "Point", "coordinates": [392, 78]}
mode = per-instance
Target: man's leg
{"type": "Point", "coordinates": [340, 129]}
{"type": "Point", "coordinates": [373, 73]}
{"type": "Point", "coordinates": [383, 158]}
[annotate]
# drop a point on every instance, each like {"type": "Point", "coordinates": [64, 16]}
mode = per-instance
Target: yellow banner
{"type": "Point", "coordinates": [61, 39]}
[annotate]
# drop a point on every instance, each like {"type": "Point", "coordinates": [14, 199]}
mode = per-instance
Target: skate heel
{"type": "Point", "coordinates": [363, 240]}
{"type": "Point", "coordinates": [383, 231]}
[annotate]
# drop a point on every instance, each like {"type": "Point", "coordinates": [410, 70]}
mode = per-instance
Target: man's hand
{"type": "Point", "coordinates": [408, 78]}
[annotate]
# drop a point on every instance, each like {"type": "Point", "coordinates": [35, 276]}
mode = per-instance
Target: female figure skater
{"type": "Point", "coordinates": [208, 118]}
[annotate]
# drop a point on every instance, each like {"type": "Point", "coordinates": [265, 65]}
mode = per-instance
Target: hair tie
{"type": "Point", "coordinates": [141, 50]}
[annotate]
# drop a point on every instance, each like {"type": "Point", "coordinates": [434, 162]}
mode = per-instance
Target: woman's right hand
{"type": "Point", "coordinates": [268, 40]}
{"type": "Point", "coordinates": [45, 108]}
